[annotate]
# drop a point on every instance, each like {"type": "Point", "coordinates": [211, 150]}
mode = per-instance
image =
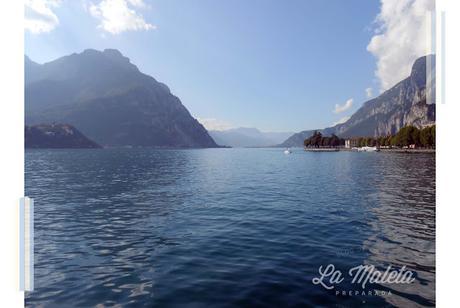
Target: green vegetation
{"type": "Point", "coordinates": [317, 140]}
{"type": "Point", "coordinates": [428, 136]}
{"type": "Point", "coordinates": [408, 136]}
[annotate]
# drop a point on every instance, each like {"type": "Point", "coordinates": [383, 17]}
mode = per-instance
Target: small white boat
{"type": "Point", "coordinates": [287, 151]}
{"type": "Point", "coordinates": [368, 149]}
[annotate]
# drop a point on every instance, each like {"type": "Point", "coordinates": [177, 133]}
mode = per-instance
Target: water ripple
{"type": "Point", "coordinates": [226, 227]}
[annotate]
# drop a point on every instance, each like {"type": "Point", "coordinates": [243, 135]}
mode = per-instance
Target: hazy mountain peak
{"type": "Point", "coordinates": [248, 137]}
{"type": "Point", "coordinates": [31, 69]}
{"type": "Point", "coordinates": [116, 55]}
{"type": "Point", "coordinates": [113, 52]}
{"type": "Point", "coordinates": [29, 61]}
{"type": "Point", "coordinates": [246, 130]}
{"type": "Point", "coordinates": [113, 55]}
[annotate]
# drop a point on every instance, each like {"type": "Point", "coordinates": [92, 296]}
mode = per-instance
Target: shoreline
{"type": "Point", "coordinates": [410, 151]}
{"type": "Point", "coordinates": [321, 149]}
{"type": "Point", "coordinates": [407, 151]}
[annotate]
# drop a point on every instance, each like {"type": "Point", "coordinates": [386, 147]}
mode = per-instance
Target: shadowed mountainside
{"type": "Point", "coordinates": [56, 136]}
{"type": "Point", "coordinates": [106, 97]}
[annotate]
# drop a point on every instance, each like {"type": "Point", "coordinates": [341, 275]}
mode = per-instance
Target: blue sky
{"type": "Point", "coordinates": [271, 64]}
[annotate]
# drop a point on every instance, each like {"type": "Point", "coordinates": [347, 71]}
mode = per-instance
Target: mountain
{"type": "Point", "coordinates": [297, 139]}
{"type": "Point", "coordinates": [106, 97]}
{"type": "Point", "coordinates": [248, 137]}
{"type": "Point", "coordinates": [409, 102]}
{"type": "Point", "coordinates": [56, 136]}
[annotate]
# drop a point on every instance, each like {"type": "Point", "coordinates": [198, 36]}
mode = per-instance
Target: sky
{"type": "Point", "coordinates": [271, 64]}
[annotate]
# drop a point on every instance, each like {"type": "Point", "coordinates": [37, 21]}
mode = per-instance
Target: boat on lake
{"type": "Point", "coordinates": [368, 149]}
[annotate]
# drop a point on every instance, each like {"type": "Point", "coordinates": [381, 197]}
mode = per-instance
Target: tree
{"type": "Point", "coordinates": [371, 142]}
{"type": "Point", "coordinates": [316, 139]}
{"type": "Point", "coordinates": [334, 141]}
{"type": "Point", "coordinates": [388, 140]}
{"type": "Point", "coordinates": [426, 139]}
{"type": "Point", "coordinates": [414, 135]}
{"type": "Point", "coordinates": [406, 136]}
{"type": "Point", "coordinates": [395, 140]}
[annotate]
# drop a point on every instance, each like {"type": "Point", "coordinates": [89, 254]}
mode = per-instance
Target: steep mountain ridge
{"type": "Point", "coordinates": [106, 97]}
{"type": "Point", "coordinates": [409, 102]}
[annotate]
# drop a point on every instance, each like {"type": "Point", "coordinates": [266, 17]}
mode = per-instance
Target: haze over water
{"type": "Point", "coordinates": [227, 227]}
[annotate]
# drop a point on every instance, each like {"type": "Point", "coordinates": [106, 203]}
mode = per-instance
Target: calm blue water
{"type": "Point", "coordinates": [227, 227]}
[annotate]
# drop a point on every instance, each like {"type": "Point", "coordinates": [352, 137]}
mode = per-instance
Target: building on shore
{"type": "Point", "coordinates": [351, 143]}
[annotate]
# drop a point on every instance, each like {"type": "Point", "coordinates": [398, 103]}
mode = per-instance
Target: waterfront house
{"type": "Point", "coordinates": [351, 143]}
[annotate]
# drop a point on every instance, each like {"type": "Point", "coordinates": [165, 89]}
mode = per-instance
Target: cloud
{"type": "Point", "coordinates": [39, 16]}
{"type": "Point", "coordinates": [400, 38]}
{"type": "Point", "coordinates": [137, 3]}
{"type": "Point", "coordinates": [348, 104]}
{"type": "Point", "coordinates": [214, 124]}
{"type": "Point", "coordinates": [368, 92]}
{"type": "Point", "coordinates": [116, 16]}
{"type": "Point", "coordinates": [342, 120]}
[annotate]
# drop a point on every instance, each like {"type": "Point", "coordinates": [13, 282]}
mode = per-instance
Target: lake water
{"type": "Point", "coordinates": [228, 227]}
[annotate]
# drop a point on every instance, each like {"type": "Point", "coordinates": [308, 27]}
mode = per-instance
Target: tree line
{"type": "Point", "coordinates": [406, 136]}
{"type": "Point", "coordinates": [318, 140]}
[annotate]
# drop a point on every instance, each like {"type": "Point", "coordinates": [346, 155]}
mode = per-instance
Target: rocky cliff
{"type": "Point", "coordinates": [410, 102]}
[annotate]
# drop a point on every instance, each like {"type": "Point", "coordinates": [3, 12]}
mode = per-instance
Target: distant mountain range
{"type": "Point", "coordinates": [410, 102]}
{"type": "Point", "coordinates": [109, 100]}
{"type": "Point", "coordinates": [248, 137]}
{"type": "Point", "coordinates": [56, 136]}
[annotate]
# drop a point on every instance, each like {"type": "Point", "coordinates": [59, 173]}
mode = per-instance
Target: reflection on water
{"type": "Point", "coordinates": [226, 227]}
{"type": "Point", "coordinates": [405, 225]}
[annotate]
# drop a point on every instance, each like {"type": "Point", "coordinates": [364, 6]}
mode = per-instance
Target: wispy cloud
{"type": "Point", "coordinates": [214, 124]}
{"type": "Point", "coordinates": [341, 108]}
{"type": "Point", "coordinates": [117, 16]}
{"type": "Point", "coordinates": [342, 120]}
{"type": "Point", "coordinates": [400, 38]}
{"type": "Point", "coordinates": [39, 16]}
{"type": "Point", "coordinates": [369, 92]}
